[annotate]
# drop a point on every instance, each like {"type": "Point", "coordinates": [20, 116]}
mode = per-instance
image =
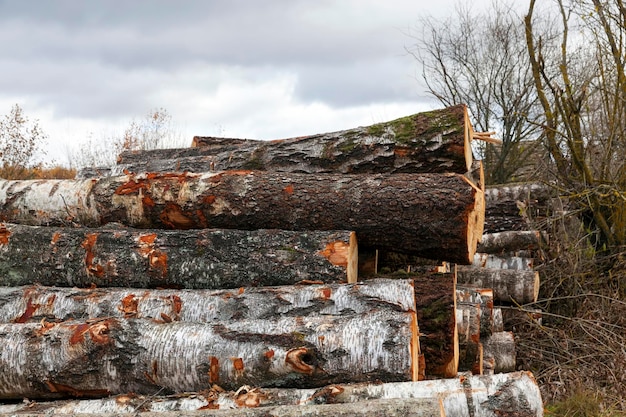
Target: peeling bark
{"type": "Point", "coordinates": [112, 356]}
{"type": "Point", "coordinates": [511, 241]}
{"type": "Point", "coordinates": [509, 285]}
{"type": "Point", "coordinates": [433, 215]}
{"type": "Point", "coordinates": [515, 394]}
{"type": "Point", "coordinates": [209, 258]}
{"type": "Point", "coordinates": [34, 304]}
{"type": "Point", "coordinates": [430, 142]}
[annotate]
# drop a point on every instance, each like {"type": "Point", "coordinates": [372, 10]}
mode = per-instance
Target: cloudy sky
{"type": "Point", "coordinates": [254, 68]}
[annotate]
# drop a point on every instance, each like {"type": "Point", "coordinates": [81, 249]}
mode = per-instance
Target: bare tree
{"type": "Point", "coordinates": [20, 141]}
{"type": "Point", "coordinates": [582, 91]}
{"type": "Point", "coordinates": [481, 60]}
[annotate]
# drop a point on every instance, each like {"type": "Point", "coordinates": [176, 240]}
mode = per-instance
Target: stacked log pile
{"type": "Point", "coordinates": [234, 270]}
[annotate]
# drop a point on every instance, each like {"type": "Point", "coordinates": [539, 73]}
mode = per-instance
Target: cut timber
{"type": "Point", "coordinates": [412, 205]}
{"type": "Point", "coordinates": [474, 315]}
{"type": "Point", "coordinates": [34, 304]}
{"type": "Point", "coordinates": [111, 356]}
{"type": "Point", "coordinates": [436, 315]}
{"type": "Point", "coordinates": [509, 285]}
{"type": "Point", "coordinates": [431, 142]}
{"type": "Point", "coordinates": [124, 257]}
{"type": "Point", "coordinates": [511, 241]}
{"type": "Point", "coordinates": [485, 260]}
{"type": "Point", "coordinates": [514, 207]}
{"type": "Point", "coordinates": [513, 394]}
{"type": "Point", "coordinates": [499, 353]}
{"type": "Point", "coordinates": [410, 407]}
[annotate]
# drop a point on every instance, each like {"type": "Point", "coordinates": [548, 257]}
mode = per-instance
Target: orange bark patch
{"type": "Point", "coordinates": [28, 313]}
{"type": "Point", "coordinates": [269, 354]}
{"type": "Point", "coordinates": [401, 152]}
{"type": "Point", "coordinates": [336, 253]}
{"type": "Point", "coordinates": [209, 199]}
{"type": "Point", "coordinates": [4, 235]}
{"type": "Point", "coordinates": [173, 217]}
{"type": "Point", "coordinates": [326, 292]}
{"type": "Point", "coordinates": [89, 244]}
{"type": "Point", "coordinates": [66, 389]}
{"type": "Point", "coordinates": [129, 306]}
{"type": "Point", "coordinates": [158, 261]}
{"type": "Point", "coordinates": [294, 359]}
{"type": "Point", "coordinates": [147, 201]}
{"type": "Point", "coordinates": [214, 370]}
{"type": "Point", "coordinates": [250, 399]}
{"type": "Point", "coordinates": [288, 189]}
{"type": "Point", "coordinates": [131, 187]}
{"type": "Point", "coordinates": [166, 318]}
{"type": "Point", "coordinates": [98, 332]}
{"type": "Point", "coordinates": [55, 238]}
{"type": "Point", "coordinates": [238, 365]}
{"type": "Point", "coordinates": [177, 304]}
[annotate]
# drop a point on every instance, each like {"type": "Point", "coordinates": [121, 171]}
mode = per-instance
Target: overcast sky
{"type": "Point", "coordinates": [255, 68]}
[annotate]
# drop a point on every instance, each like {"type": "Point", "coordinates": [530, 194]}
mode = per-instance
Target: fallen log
{"type": "Point", "coordinates": [516, 207]}
{"type": "Point", "coordinates": [490, 396]}
{"type": "Point", "coordinates": [509, 285]}
{"type": "Point", "coordinates": [412, 205]}
{"type": "Point", "coordinates": [484, 260]}
{"type": "Point", "coordinates": [430, 142]}
{"type": "Point", "coordinates": [111, 356]}
{"type": "Point", "coordinates": [436, 314]}
{"type": "Point", "coordinates": [34, 304]}
{"type": "Point", "coordinates": [209, 258]}
{"type": "Point", "coordinates": [511, 241]}
{"type": "Point", "coordinates": [499, 353]}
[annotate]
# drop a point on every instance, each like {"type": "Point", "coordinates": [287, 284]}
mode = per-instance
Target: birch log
{"type": "Point", "coordinates": [515, 394]}
{"type": "Point", "coordinates": [209, 258]}
{"type": "Point", "coordinates": [499, 353]}
{"type": "Point", "coordinates": [34, 304]}
{"type": "Point", "coordinates": [508, 285]}
{"type": "Point", "coordinates": [412, 205]}
{"type": "Point", "coordinates": [484, 260]}
{"type": "Point", "coordinates": [511, 241]}
{"type": "Point", "coordinates": [111, 356]}
{"type": "Point", "coordinates": [430, 142]}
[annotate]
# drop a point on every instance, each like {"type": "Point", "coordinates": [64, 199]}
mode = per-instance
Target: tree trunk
{"type": "Point", "coordinates": [34, 304]}
{"type": "Point", "coordinates": [511, 241]}
{"type": "Point", "coordinates": [516, 207]}
{"type": "Point", "coordinates": [110, 356]}
{"type": "Point", "coordinates": [124, 257]}
{"type": "Point", "coordinates": [430, 142]}
{"type": "Point", "coordinates": [514, 394]}
{"type": "Point", "coordinates": [474, 315]}
{"type": "Point", "coordinates": [484, 260]}
{"type": "Point", "coordinates": [509, 285]}
{"type": "Point", "coordinates": [499, 353]}
{"type": "Point", "coordinates": [436, 315]}
{"type": "Point", "coordinates": [434, 215]}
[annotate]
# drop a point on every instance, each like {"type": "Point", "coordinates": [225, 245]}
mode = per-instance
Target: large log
{"type": "Point", "coordinates": [511, 241]}
{"type": "Point", "coordinates": [112, 356]}
{"type": "Point", "coordinates": [35, 303]}
{"type": "Point", "coordinates": [430, 142]}
{"type": "Point", "coordinates": [509, 285]}
{"type": "Point", "coordinates": [434, 215]}
{"type": "Point", "coordinates": [499, 353]}
{"type": "Point", "coordinates": [124, 257]}
{"type": "Point", "coordinates": [515, 394]}
{"type": "Point", "coordinates": [410, 407]}
{"type": "Point", "coordinates": [485, 260]}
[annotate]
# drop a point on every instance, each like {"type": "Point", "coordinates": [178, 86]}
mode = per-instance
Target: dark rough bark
{"type": "Point", "coordinates": [513, 394]}
{"type": "Point", "coordinates": [509, 285]}
{"type": "Point", "coordinates": [34, 304]}
{"type": "Point", "coordinates": [511, 241]}
{"type": "Point", "coordinates": [111, 356]}
{"type": "Point", "coordinates": [516, 207]}
{"type": "Point", "coordinates": [434, 215]}
{"type": "Point", "coordinates": [429, 142]}
{"type": "Point", "coordinates": [125, 257]}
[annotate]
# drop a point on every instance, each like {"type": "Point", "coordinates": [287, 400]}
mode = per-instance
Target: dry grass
{"type": "Point", "coordinates": [578, 353]}
{"type": "Point", "coordinates": [8, 172]}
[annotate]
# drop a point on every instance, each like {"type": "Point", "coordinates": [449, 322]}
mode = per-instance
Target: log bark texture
{"type": "Point", "coordinates": [509, 285]}
{"type": "Point", "coordinates": [516, 207]}
{"type": "Point", "coordinates": [209, 258]}
{"type": "Point", "coordinates": [34, 304]}
{"type": "Point", "coordinates": [484, 260]}
{"type": "Point", "coordinates": [511, 241]}
{"type": "Point", "coordinates": [430, 142]}
{"type": "Point", "coordinates": [499, 353]}
{"type": "Point", "coordinates": [410, 407]}
{"type": "Point", "coordinates": [436, 315]}
{"type": "Point", "coordinates": [514, 394]}
{"type": "Point", "coordinates": [112, 356]}
{"type": "Point", "coordinates": [434, 215]}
